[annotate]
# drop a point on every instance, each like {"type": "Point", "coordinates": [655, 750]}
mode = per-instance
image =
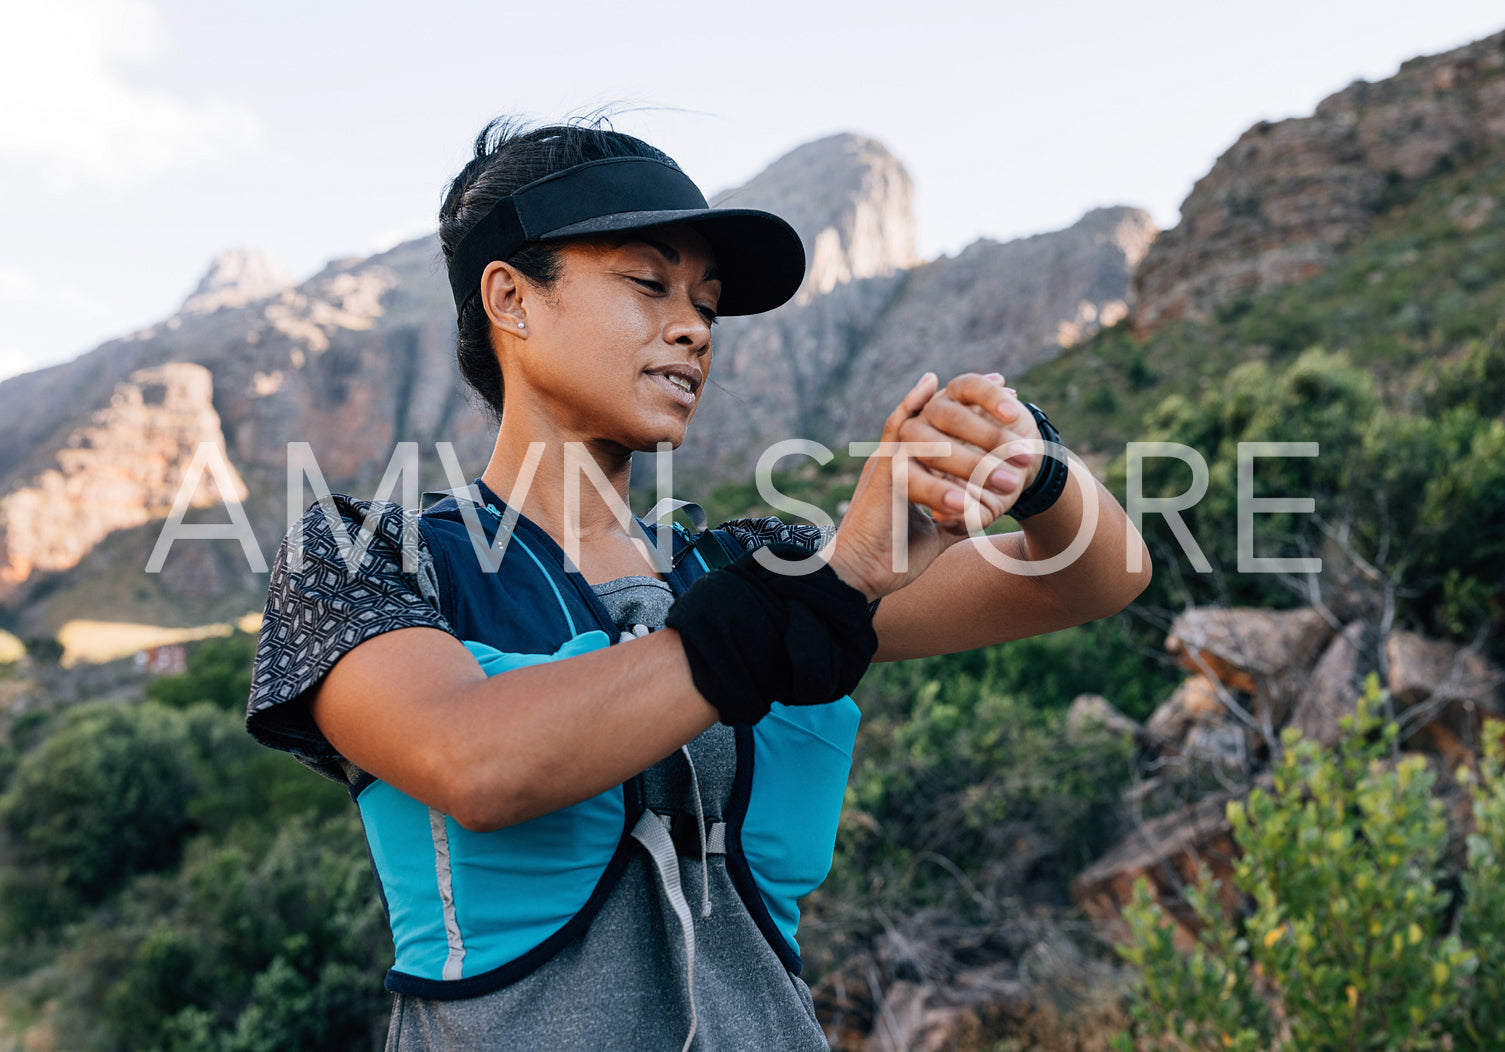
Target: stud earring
{"type": "Point", "coordinates": [520, 325]}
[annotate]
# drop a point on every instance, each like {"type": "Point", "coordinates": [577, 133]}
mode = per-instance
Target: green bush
{"type": "Point", "coordinates": [104, 797]}
{"type": "Point", "coordinates": [218, 671]}
{"type": "Point", "coordinates": [272, 943]}
{"type": "Point", "coordinates": [962, 795]}
{"type": "Point", "coordinates": [117, 788]}
{"type": "Point", "coordinates": [1349, 938]}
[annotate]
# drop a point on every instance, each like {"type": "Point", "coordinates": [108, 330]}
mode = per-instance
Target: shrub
{"type": "Point", "coordinates": [1348, 938]}
{"type": "Point", "coordinates": [218, 671]}
{"type": "Point", "coordinates": [101, 799]}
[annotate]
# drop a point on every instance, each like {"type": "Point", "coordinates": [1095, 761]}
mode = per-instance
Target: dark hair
{"type": "Point", "coordinates": [509, 155]}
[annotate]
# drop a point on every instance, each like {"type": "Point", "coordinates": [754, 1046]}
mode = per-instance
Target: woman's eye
{"type": "Point", "coordinates": [708, 313]}
{"type": "Point", "coordinates": [650, 284]}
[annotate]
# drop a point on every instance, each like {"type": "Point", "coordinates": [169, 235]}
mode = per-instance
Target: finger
{"type": "Point", "coordinates": [949, 496]}
{"type": "Point", "coordinates": [910, 405]}
{"type": "Point", "coordinates": [975, 512]}
{"type": "Point", "coordinates": [961, 420]}
{"type": "Point", "coordinates": [988, 394]}
{"type": "Point", "coordinates": [964, 460]}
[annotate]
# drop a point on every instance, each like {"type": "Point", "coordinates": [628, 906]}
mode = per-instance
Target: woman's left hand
{"type": "Point", "coordinates": [993, 453]}
{"type": "Point", "coordinates": [934, 444]}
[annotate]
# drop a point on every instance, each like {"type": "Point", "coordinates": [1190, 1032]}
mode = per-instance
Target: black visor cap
{"type": "Point", "coordinates": [758, 254]}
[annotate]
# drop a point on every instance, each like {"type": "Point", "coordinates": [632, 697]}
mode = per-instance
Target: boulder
{"type": "Point", "coordinates": [1335, 684]}
{"type": "Point", "coordinates": [1194, 702]}
{"type": "Point", "coordinates": [1167, 852]}
{"type": "Point", "coordinates": [1437, 682]}
{"type": "Point", "coordinates": [1256, 652]}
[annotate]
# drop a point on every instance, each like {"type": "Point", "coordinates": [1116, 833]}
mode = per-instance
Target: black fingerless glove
{"type": "Point", "coordinates": [755, 636]}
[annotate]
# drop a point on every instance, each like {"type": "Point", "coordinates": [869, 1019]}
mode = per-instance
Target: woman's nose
{"type": "Point", "coordinates": [689, 328]}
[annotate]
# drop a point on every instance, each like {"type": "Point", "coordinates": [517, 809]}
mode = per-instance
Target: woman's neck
{"type": "Point", "coordinates": [575, 490]}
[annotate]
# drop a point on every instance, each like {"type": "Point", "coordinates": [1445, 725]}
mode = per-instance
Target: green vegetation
{"type": "Point", "coordinates": [169, 884]}
{"type": "Point", "coordinates": [1349, 935]}
{"type": "Point", "coordinates": [1403, 500]}
{"type": "Point", "coordinates": [218, 672]}
{"type": "Point", "coordinates": [967, 793]}
{"type": "Point", "coordinates": [1418, 291]}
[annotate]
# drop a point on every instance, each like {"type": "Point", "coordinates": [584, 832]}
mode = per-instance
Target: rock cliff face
{"type": "Point", "coordinates": [1286, 196]}
{"type": "Point", "coordinates": [850, 199]}
{"type": "Point", "coordinates": [351, 361]}
{"type": "Point", "coordinates": [121, 468]}
{"type": "Point", "coordinates": [236, 278]}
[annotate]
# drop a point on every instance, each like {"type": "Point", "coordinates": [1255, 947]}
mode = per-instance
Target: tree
{"type": "Point", "coordinates": [102, 798]}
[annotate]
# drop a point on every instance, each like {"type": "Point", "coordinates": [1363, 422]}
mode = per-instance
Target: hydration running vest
{"type": "Point", "coordinates": [472, 912]}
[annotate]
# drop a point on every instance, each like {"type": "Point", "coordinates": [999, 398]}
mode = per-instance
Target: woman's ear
{"type": "Point", "coordinates": [502, 293]}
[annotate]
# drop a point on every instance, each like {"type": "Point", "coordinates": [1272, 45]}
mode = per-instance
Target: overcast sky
{"type": "Point", "coordinates": [139, 138]}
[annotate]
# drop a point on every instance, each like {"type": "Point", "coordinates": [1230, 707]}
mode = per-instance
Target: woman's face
{"type": "Point", "coordinates": [618, 350]}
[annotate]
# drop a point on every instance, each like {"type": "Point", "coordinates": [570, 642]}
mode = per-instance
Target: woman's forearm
{"type": "Point", "coordinates": [412, 708]}
{"type": "Point", "coordinates": [970, 598]}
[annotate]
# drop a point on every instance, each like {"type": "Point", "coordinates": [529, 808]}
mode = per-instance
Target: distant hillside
{"type": "Point", "coordinates": [1391, 362]}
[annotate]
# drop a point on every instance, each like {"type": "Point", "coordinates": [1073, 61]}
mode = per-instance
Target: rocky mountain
{"type": "Point", "coordinates": [850, 199]}
{"type": "Point", "coordinates": [1004, 306]}
{"type": "Point", "coordinates": [869, 319]}
{"type": "Point", "coordinates": [359, 357]}
{"type": "Point", "coordinates": [1287, 196]}
{"type": "Point", "coordinates": [235, 278]}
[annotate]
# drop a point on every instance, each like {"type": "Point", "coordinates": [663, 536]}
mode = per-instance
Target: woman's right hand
{"type": "Point", "coordinates": [934, 443]}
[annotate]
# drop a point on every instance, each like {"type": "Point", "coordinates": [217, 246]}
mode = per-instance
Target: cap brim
{"type": "Point", "coordinates": [759, 255]}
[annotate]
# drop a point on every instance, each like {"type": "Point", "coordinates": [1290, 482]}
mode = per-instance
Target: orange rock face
{"type": "Point", "coordinates": [122, 468]}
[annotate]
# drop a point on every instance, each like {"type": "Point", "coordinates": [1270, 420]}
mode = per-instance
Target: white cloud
{"type": "Point", "coordinates": [16, 286]}
{"type": "Point", "coordinates": [69, 115]}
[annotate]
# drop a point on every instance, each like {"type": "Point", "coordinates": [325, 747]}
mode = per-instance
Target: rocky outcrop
{"type": "Point", "coordinates": [1260, 653]}
{"type": "Point", "coordinates": [351, 361]}
{"type": "Point", "coordinates": [1169, 853]}
{"type": "Point", "coordinates": [1194, 702]}
{"type": "Point", "coordinates": [1337, 682]}
{"type": "Point", "coordinates": [1003, 307]}
{"type": "Point", "coordinates": [852, 203]}
{"type": "Point", "coordinates": [236, 278]}
{"type": "Point", "coordinates": [122, 468]}
{"type": "Point", "coordinates": [1281, 201]}
{"type": "Point", "coordinates": [1434, 681]}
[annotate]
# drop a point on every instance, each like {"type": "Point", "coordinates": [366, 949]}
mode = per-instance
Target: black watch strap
{"type": "Point", "coordinates": [1050, 481]}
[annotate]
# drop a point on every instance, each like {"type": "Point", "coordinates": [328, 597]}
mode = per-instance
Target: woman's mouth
{"type": "Point", "coordinates": [678, 385]}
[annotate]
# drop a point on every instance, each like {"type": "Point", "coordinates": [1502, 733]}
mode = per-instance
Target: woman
{"type": "Point", "coordinates": [595, 783]}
